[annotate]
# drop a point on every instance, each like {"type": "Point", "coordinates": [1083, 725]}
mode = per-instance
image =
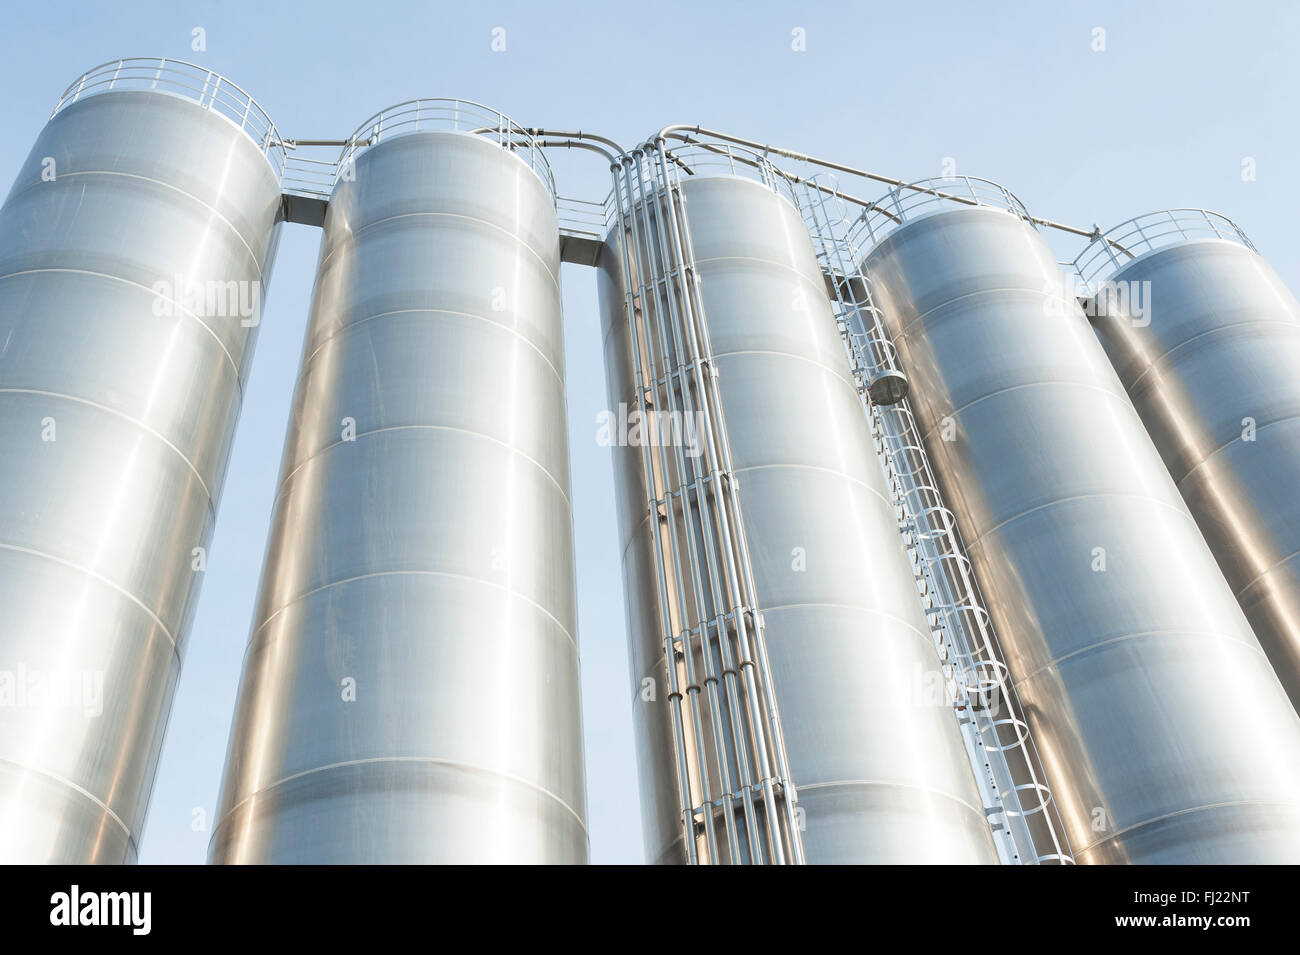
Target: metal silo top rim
{"type": "Point", "coordinates": [197, 84]}
{"type": "Point", "coordinates": [450, 114]}
{"type": "Point", "coordinates": [925, 197]}
{"type": "Point", "coordinates": [716, 160]}
{"type": "Point", "coordinates": [1132, 239]}
{"type": "Point", "coordinates": [749, 181]}
{"type": "Point", "coordinates": [696, 160]}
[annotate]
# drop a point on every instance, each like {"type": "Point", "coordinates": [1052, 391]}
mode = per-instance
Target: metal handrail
{"type": "Point", "coordinates": [305, 176]}
{"type": "Point", "coordinates": [919, 198]}
{"type": "Point", "coordinates": [582, 216]}
{"type": "Point", "coordinates": [444, 113]}
{"type": "Point", "coordinates": [211, 91]}
{"type": "Point", "coordinates": [721, 159]}
{"type": "Point", "coordinates": [725, 159]}
{"type": "Point", "coordinates": [706, 159]}
{"type": "Point", "coordinates": [1150, 231]}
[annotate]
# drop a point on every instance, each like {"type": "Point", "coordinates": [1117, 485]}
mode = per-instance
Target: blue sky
{"type": "Point", "coordinates": [1163, 117]}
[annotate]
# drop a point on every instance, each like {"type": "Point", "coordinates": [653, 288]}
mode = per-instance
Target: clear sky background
{"type": "Point", "coordinates": [1163, 117]}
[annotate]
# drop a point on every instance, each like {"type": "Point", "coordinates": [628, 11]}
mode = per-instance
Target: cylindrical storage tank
{"type": "Point", "coordinates": [133, 251]}
{"type": "Point", "coordinates": [410, 690]}
{"type": "Point", "coordinates": [1165, 734]}
{"type": "Point", "coordinates": [874, 749]}
{"type": "Point", "coordinates": [1206, 340]}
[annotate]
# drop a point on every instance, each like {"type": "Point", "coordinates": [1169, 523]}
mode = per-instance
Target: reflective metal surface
{"type": "Point", "coordinates": [736, 801]}
{"type": "Point", "coordinates": [874, 751]}
{"type": "Point", "coordinates": [410, 689]}
{"type": "Point", "coordinates": [1165, 734]}
{"type": "Point", "coordinates": [119, 393]}
{"type": "Point", "coordinates": [1210, 356]}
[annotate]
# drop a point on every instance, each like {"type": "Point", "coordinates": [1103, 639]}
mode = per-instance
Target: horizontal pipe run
{"type": "Point", "coordinates": [688, 129]}
{"type": "Point", "coordinates": [685, 131]}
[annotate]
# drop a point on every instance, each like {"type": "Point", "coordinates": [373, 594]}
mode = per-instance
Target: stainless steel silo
{"type": "Point", "coordinates": [134, 247]}
{"type": "Point", "coordinates": [410, 690]}
{"type": "Point", "coordinates": [1206, 340]}
{"type": "Point", "coordinates": [874, 750]}
{"type": "Point", "coordinates": [1164, 731]}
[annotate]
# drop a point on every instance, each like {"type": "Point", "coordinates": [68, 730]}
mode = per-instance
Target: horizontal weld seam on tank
{"type": "Point", "coordinates": [81, 791]}
{"type": "Point", "coordinates": [171, 301]}
{"type": "Point", "coordinates": [1285, 322]}
{"type": "Point", "coordinates": [904, 329]}
{"type": "Point", "coordinates": [277, 173]}
{"type": "Point", "coordinates": [104, 580]}
{"type": "Point", "coordinates": [409, 573]}
{"type": "Point", "coordinates": [425, 427]}
{"type": "Point", "coordinates": [343, 330]}
{"type": "Point", "coordinates": [833, 372]}
{"type": "Point", "coordinates": [1140, 635]}
{"type": "Point", "coordinates": [767, 467]}
{"type": "Point", "coordinates": [645, 519]}
{"type": "Point", "coordinates": [1258, 577]}
{"type": "Point", "coordinates": [819, 283]}
{"type": "Point", "coordinates": [1227, 444]}
{"type": "Point", "coordinates": [189, 195]}
{"type": "Point", "coordinates": [351, 239]}
{"type": "Point", "coordinates": [856, 608]}
{"type": "Point", "coordinates": [630, 393]}
{"type": "Point", "coordinates": [212, 511]}
{"type": "Point", "coordinates": [1182, 812]}
{"type": "Point", "coordinates": [348, 243]}
{"type": "Point", "coordinates": [1050, 382]}
{"type": "Point", "coordinates": [924, 637]}
{"type": "Point", "coordinates": [892, 784]}
{"type": "Point", "coordinates": [430, 760]}
{"type": "Point", "coordinates": [797, 466]}
{"type": "Point", "coordinates": [1180, 509]}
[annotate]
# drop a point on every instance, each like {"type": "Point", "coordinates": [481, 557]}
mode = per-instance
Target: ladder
{"type": "Point", "coordinates": [1018, 805]}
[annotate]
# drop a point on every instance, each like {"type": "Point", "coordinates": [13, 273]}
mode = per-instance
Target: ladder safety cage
{"type": "Point", "coordinates": [1017, 802]}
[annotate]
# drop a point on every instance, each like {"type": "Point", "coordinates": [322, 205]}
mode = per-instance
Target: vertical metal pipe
{"type": "Point", "coordinates": [708, 605]}
{"type": "Point", "coordinates": [650, 306]}
{"type": "Point", "coordinates": [726, 519]}
{"type": "Point", "coordinates": [715, 607]}
{"type": "Point", "coordinates": [630, 280]}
